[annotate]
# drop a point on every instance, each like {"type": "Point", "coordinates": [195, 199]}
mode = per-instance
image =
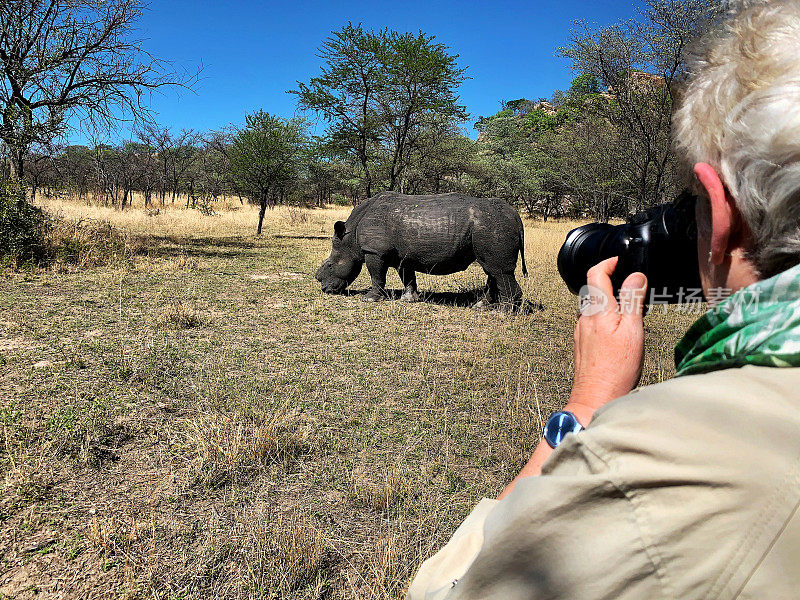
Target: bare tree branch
{"type": "Point", "coordinates": [61, 59]}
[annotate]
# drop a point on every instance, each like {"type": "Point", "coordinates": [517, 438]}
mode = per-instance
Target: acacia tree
{"type": "Point", "coordinates": [345, 94]}
{"type": "Point", "coordinates": [376, 91]}
{"type": "Point", "coordinates": [183, 157]}
{"type": "Point", "coordinates": [265, 155]}
{"type": "Point", "coordinates": [439, 154]}
{"type": "Point", "coordinates": [420, 86]}
{"type": "Point", "coordinates": [70, 58]}
{"type": "Point", "coordinates": [147, 158]}
{"type": "Point", "coordinates": [75, 170]}
{"type": "Point", "coordinates": [214, 168]}
{"type": "Point", "coordinates": [40, 166]}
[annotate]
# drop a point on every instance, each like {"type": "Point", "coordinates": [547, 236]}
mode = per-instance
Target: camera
{"type": "Point", "coordinates": [660, 242]}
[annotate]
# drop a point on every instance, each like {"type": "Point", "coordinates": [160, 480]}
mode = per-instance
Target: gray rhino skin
{"type": "Point", "coordinates": [438, 234]}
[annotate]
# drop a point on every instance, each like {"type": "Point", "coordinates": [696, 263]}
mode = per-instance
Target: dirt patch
{"type": "Point", "coordinates": [17, 343]}
{"type": "Point", "coordinates": [285, 276]}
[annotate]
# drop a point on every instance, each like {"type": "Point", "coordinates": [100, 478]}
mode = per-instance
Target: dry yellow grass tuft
{"type": "Point", "coordinates": [227, 448]}
{"type": "Point", "coordinates": [382, 491]}
{"type": "Point", "coordinates": [280, 552]}
{"type": "Point", "coordinates": [172, 219]}
{"type": "Point", "coordinates": [296, 215]}
{"type": "Point", "coordinates": [78, 244]}
{"type": "Point", "coordinates": [179, 315]}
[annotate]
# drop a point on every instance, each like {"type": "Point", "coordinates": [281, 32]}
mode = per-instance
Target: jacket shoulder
{"type": "Point", "coordinates": [712, 466]}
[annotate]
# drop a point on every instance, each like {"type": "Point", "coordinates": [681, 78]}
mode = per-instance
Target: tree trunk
{"type": "Point", "coordinates": [191, 195]}
{"type": "Point", "coordinates": [17, 165]}
{"type": "Point", "coordinates": [262, 210]}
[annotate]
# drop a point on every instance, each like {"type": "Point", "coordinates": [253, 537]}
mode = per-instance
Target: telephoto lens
{"type": "Point", "coordinates": [660, 242]}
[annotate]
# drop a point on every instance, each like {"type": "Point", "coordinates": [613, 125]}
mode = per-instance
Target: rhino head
{"type": "Point", "coordinates": [344, 264]}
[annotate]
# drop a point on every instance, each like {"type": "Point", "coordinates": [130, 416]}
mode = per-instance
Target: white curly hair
{"type": "Point", "coordinates": [740, 113]}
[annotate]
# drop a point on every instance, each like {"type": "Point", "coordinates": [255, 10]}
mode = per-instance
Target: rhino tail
{"type": "Point", "coordinates": [522, 253]}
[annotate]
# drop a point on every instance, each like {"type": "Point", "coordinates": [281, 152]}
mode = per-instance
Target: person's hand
{"type": "Point", "coordinates": [609, 339]}
{"type": "Point", "coordinates": [609, 351]}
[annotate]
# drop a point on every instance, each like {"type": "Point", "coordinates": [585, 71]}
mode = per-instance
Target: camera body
{"type": "Point", "coordinates": [660, 242]}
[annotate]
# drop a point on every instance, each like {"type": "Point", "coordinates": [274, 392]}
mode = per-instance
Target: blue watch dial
{"type": "Point", "coordinates": [558, 426]}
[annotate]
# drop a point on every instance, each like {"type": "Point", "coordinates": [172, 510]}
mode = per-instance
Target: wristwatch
{"type": "Point", "coordinates": [558, 426]}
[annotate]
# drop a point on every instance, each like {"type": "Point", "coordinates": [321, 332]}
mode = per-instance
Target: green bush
{"type": "Point", "coordinates": [32, 238]}
{"type": "Point", "coordinates": [23, 227]}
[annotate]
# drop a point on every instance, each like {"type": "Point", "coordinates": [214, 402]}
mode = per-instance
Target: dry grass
{"type": "Point", "coordinates": [172, 220]}
{"type": "Point", "coordinates": [229, 449]}
{"type": "Point", "coordinates": [281, 553]}
{"type": "Point", "coordinates": [78, 244]}
{"type": "Point", "coordinates": [379, 491]}
{"type": "Point", "coordinates": [296, 216]}
{"type": "Point", "coordinates": [200, 421]}
{"type": "Point", "coordinates": [177, 314]}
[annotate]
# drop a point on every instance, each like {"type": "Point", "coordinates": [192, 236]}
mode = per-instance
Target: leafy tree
{"type": "Point", "coordinates": [376, 91]}
{"type": "Point", "coordinates": [23, 226]}
{"type": "Point", "coordinates": [584, 84]}
{"type": "Point", "coordinates": [162, 141]}
{"type": "Point", "coordinates": [147, 158]}
{"type": "Point", "coordinates": [345, 94]}
{"type": "Point", "coordinates": [440, 155]}
{"type": "Point", "coordinates": [214, 165]}
{"type": "Point", "coordinates": [520, 107]}
{"type": "Point", "coordinates": [482, 124]}
{"type": "Point", "coordinates": [75, 170]}
{"type": "Point", "coordinates": [508, 164]}
{"type": "Point", "coordinates": [422, 79]}
{"type": "Point", "coordinates": [265, 155]}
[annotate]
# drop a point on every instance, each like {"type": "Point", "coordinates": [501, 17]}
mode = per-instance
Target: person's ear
{"type": "Point", "coordinates": [723, 212]}
{"type": "Point", "coordinates": [339, 229]}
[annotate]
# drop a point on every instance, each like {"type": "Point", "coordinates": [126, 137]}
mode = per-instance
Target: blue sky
{"type": "Point", "coordinates": [252, 52]}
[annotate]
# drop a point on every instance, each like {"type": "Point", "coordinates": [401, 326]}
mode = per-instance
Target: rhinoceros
{"type": "Point", "coordinates": [437, 234]}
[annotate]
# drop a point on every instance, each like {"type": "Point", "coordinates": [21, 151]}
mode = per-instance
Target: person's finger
{"type": "Point", "coordinates": [598, 279]}
{"type": "Point", "coordinates": [632, 295]}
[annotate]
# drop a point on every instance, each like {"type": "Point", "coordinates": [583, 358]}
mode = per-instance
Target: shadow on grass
{"type": "Point", "coordinates": [462, 299]}
{"type": "Point", "coordinates": [165, 246]}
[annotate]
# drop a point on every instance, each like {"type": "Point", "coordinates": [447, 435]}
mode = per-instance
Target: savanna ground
{"type": "Point", "coordinates": [198, 420]}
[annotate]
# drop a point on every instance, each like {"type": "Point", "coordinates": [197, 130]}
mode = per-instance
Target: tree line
{"type": "Point", "coordinates": [388, 109]}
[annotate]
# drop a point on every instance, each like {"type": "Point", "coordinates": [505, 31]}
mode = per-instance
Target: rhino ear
{"type": "Point", "coordinates": [339, 229]}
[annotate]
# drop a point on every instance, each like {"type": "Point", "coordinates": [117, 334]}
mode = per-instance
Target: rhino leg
{"type": "Point", "coordinates": [409, 279]}
{"type": "Point", "coordinates": [489, 294]}
{"type": "Point", "coordinates": [377, 268]}
{"type": "Point", "coordinates": [502, 290]}
{"type": "Point", "coordinates": [510, 294]}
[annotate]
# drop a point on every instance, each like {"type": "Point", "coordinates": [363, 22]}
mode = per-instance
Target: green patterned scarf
{"type": "Point", "coordinates": [758, 325]}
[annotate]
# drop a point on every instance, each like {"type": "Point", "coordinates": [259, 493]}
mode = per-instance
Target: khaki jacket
{"type": "Point", "coordinates": [687, 489]}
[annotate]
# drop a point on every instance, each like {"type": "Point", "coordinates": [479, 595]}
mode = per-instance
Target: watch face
{"type": "Point", "coordinates": [558, 426]}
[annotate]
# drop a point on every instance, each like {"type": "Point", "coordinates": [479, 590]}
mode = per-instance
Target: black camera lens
{"type": "Point", "coordinates": [660, 242]}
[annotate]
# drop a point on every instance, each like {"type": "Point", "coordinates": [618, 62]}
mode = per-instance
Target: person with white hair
{"type": "Point", "coordinates": [689, 488]}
